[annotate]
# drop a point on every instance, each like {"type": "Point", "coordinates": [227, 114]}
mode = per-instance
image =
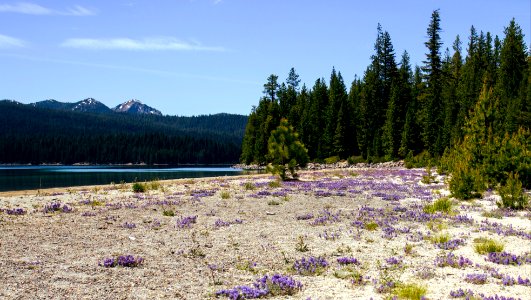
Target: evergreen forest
{"type": "Point", "coordinates": [37, 135]}
{"type": "Point", "coordinates": [480, 89]}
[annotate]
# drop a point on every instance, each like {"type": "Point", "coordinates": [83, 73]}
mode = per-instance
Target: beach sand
{"type": "Point", "coordinates": [249, 226]}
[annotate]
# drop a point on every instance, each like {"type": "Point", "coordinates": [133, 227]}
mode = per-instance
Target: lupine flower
{"type": "Point", "coordinates": [186, 222]}
{"type": "Point", "coordinates": [310, 266]}
{"type": "Point", "coordinates": [275, 285]}
{"type": "Point", "coordinates": [16, 211]}
{"type": "Point", "coordinates": [348, 261]}
{"type": "Point", "coordinates": [476, 278]}
{"type": "Point", "coordinates": [123, 261]}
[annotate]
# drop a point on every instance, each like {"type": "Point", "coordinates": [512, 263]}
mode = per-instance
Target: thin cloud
{"type": "Point", "coordinates": [150, 44]}
{"type": "Point", "coordinates": [132, 69]}
{"type": "Point", "coordinates": [216, 2]}
{"type": "Point", "coordinates": [36, 9]}
{"type": "Point", "coordinates": [10, 42]}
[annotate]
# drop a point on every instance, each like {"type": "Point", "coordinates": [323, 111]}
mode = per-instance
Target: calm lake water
{"type": "Point", "coordinates": [14, 178]}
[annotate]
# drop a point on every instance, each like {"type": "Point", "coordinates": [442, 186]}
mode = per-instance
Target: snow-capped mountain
{"type": "Point", "coordinates": [90, 105]}
{"type": "Point", "coordinates": [136, 107]}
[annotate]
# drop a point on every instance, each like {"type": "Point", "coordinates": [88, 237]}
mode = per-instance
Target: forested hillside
{"type": "Point", "coordinates": [398, 111]}
{"type": "Point", "coordinates": [36, 135]}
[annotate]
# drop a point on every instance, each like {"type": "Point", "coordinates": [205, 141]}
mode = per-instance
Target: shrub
{"type": "Point", "coordinates": [442, 204]}
{"type": "Point", "coordinates": [331, 160]}
{"type": "Point", "coordinates": [285, 152]}
{"type": "Point", "coordinates": [371, 226]}
{"type": "Point", "coordinates": [249, 186]}
{"type": "Point", "coordinates": [168, 213]}
{"type": "Point", "coordinates": [410, 291]}
{"type": "Point", "coordinates": [139, 187]}
{"type": "Point", "coordinates": [355, 160]}
{"type": "Point", "coordinates": [484, 246]}
{"type": "Point", "coordinates": [466, 184]}
{"type": "Point", "coordinates": [225, 195]}
{"type": "Point", "coordinates": [512, 194]}
{"type": "Point", "coordinates": [153, 185]}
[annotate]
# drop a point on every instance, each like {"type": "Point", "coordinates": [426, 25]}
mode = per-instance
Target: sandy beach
{"type": "Point", "coordinates": [197, 237]}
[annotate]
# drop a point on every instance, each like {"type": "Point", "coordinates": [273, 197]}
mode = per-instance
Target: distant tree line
{"type": "Point", "coordinates": [35, 135]}
{"type": "Point", "coordinates": [395, 111]}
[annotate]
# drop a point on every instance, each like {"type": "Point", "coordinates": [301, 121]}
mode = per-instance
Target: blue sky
{"type": "Point", "coordinates": [190, 57]}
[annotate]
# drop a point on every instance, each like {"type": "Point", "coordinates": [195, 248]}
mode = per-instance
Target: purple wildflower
{"type": "Point", "coordinates": [186, 222]}
{"type": "Point", "coordinates": [348, 261]}
{"type": "Point", "coordinates": [476, 278]}
{"type": "Point", "coordinates": [310, 266]}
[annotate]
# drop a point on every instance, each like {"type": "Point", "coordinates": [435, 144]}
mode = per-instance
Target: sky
{"type": "Point", "coordinates": [194, 57]}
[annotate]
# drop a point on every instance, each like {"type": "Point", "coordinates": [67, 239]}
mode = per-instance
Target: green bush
{"type": "Point", "coordinates": [355, 160]}
{"type": "Point", "coordinates": [466, 184]}
{"type": "Point", "coordinates": [332, 160]}
{"type": "Point", "coordinates": [443, 205]}
{"type": "Point", "coordinates": [168, 213]}
{"type": "Point", "coordinates": [411, 291]}
{"type": "Point", "coordinates": [139, 187]}
{"type": "Point", "coordinates": [485, 246]}
{"type": "Point", "coordinates": [512, 194]}
{"type": "Point", "coordinates": [424, 159]}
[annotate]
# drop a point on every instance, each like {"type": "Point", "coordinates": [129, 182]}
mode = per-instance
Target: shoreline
{"type": "Point", "coordinates": [250, 225]}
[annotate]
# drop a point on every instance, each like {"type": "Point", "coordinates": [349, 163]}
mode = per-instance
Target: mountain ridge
{"type": "Point", "coordinates": [91, 105]}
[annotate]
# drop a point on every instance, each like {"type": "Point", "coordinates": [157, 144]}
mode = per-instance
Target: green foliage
{"type": "Point", "coordinates": [332, 160]}
{"type": "Point", "coordinates": [371, 226]}
{"type": "Point", "coordinates": [442, 205]}
{"type": "Point", "coordinates": [512, 194]}
{"type": "Point", "coordinates": [355, 160]}
{"type": "Point", "coordinates": [440, 239]}
{"type": "Point", "coordinates": [139, 187]}
{"type": "Point", "coordinates": [485, 246]}
{"type": "Point", "coordinates": [472, 105]}
{"type": "Point", "coordinates": [168, 213]}
{"type": "Point", "coordinates": [225, 195]}
{"type": "Point", "coordinates": [411, 291]}
{"type": "Point", "coordinates": [465, 184]}
{"type": "Point", "coordinates": [424, 159]}
{"type": "Point", "coordinates": [56, 136]}
{"type": "Point", "coordinates": [249, 186]}
{"type": "Point", "coordinates": [286, 152]}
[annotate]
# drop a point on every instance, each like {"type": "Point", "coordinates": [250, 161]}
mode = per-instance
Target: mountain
{"type": "Point", "coordinates": [52, 104]}
{"type": "Point", "coordinates": [136, 107]}
{"type": "Point", "coordinates": [37, 134]}
{"type": "Point", "coordinates": [89, 105]}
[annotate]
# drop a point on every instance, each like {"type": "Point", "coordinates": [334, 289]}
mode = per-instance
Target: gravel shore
{"type": "Point", "coordinates": [200, 236]}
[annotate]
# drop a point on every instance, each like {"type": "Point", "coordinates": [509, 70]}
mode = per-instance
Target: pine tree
{"type": "Point", "coordinates": [397, 109]}
{"type": "Point", "coordinates": [432, 110]}
{"type": "Point", "coordinates": [513, 67]}
{"type": "Point", "coordinates": [285, 152]}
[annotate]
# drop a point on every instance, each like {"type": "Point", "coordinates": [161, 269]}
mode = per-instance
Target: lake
{"type": "Point", "coordinates": [13, 178]}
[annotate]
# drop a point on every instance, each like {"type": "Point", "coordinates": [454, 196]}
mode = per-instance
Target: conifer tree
{"type": "Point", "coordinates": [432, 110]}
{"type": "Point", "coordinates": [513, 67]}
{"type": "Point", "coordinates": [285, 152]}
